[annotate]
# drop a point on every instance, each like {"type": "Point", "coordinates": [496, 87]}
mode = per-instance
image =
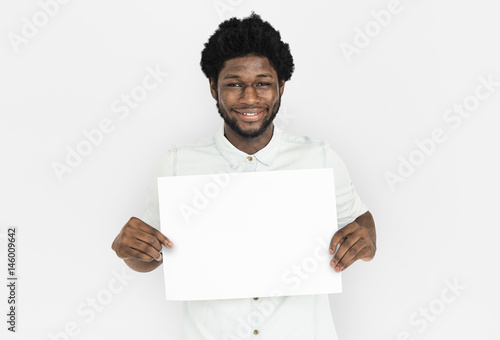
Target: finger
{"type": "Point", "coordinates": [340, 269]}
{"type": "Point", "coordinates": [136, 254]}
{"type": "Point", "coordinates": [149, 239]}
{"type": "Point", "coordinates": [140, 241]}
{"type": "Point", "coordinates": [139, 224]}
{"type": "Point", "coordinates": [340, 235]}
{"type": "Point", "coordinates": [168, 242]}
{"type": "Point", "coordinates": [362, 253]}
{"type": "Point", "coordinates": [333, 250]}
{"type": "Point", "coordinates": [147, 249]}
{"type": "Point", "coordinates": [350, 256]}
{"type": "Point", "coordinates": [151, 254]}
{"type": "Point", "coordinates": [161, 238]}
{"type": "Point", "coordinates": [347, 243]}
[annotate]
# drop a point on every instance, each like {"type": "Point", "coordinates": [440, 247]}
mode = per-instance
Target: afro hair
{"type": "Point", "coordinates": [250, 36]}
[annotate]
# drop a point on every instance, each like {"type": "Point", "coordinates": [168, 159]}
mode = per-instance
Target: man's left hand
{"type": "Point", "coordinates": [357, 241]}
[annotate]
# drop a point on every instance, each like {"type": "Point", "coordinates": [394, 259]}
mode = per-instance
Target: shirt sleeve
{"type": "Point", "coordinates": [349, 205]}
{"type": "Point", "coordinates": [164, 168]}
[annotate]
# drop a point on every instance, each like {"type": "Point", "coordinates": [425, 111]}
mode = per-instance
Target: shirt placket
{"type": "Point", "coordinates": [256, 319]}
{"type": "Point", "coordinates": [250, 164]}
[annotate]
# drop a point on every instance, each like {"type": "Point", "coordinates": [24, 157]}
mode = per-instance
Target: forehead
{"type": "Point", "coordinates": [249, 66]}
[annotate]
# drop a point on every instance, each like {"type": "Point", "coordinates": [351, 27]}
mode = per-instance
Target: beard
{"type": "Point", "coordinates": [233, 123]}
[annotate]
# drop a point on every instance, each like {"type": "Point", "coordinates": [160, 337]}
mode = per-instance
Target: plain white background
{"type": "Point", "coordinates": [436, 227]}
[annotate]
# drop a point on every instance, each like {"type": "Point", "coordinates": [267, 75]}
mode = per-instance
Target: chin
{"type": "Point", "coordinates": [256, 129]}
{"type": "Point", "coordinates": [250, 133]}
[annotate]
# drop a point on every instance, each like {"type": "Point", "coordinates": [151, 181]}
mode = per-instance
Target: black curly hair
{"type": "Point", "coordinates": [250, 36]}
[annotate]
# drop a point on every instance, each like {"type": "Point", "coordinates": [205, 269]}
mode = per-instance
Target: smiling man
{"type": "Point", "coordinates": [250, 96]}
{"type": "Point", "coordinates": [247, 66]}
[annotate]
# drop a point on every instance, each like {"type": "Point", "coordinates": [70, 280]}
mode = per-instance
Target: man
{"type": "Point", "coordinates": [247, 65]}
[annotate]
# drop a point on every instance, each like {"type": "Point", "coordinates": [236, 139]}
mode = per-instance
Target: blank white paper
{"type": "Point", "coordinates": [252, 234]}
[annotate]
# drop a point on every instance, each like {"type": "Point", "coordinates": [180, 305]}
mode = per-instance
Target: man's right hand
{"type": "Point", "coordinates": [139, 245]}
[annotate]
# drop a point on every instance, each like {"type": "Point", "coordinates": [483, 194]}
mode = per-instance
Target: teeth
{"type": "Point", "coordinates": [249, 113]}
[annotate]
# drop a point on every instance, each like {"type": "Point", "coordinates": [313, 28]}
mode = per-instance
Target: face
{"type": "Point", "coordinates": [248, 95]}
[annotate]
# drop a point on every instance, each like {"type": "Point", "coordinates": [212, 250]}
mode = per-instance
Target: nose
{"type": "Point", "coordinates": [249, 96]}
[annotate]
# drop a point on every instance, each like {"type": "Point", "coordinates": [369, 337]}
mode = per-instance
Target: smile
{"type": "Point", "coordinates": [250, 116]}
{"type": "Point", "coordinates": [249, 113]}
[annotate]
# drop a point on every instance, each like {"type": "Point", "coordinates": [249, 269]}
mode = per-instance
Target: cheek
{"type": "Point", "coordinates": [273, 98]}
{"type": "Point", "coordinates": [225, 100]}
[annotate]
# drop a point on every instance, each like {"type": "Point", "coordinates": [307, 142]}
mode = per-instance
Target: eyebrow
{"type": "Point", "coordinates": [235, 76]}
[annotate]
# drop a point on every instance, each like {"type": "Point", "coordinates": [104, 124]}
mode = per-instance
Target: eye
{"type": "Point", "coordinates": [233, 85]}
{"type": "Point", "coordinates": [263, 84]}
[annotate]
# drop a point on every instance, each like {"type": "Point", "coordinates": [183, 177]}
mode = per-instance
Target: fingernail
{"type": "Point", "coordinates": [170, 243]}
{"type": "Point", "coordinates": [332, 264]}
{"type": "Point", "coordinates": [331, 251]}
{"type": "Point", "coordinates": [337, 269]}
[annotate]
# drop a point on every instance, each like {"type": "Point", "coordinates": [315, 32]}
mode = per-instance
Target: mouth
{"type": "Point", "coordinates": [250, 115]}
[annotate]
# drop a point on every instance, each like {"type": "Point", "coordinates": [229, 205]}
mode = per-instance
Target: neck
{"type": "Point", "coordinates": [248, 145]}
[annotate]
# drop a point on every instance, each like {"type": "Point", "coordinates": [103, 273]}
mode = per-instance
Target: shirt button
{"type": "Point", "coordinates": [250, 158]}
{"type": "Point", "coordinates": [256, 298]}
{"type": "Point", "coordinates": [255, 332]}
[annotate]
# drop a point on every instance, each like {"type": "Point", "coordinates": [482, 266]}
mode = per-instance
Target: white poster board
{"type": "Point", "coordinates": [249, 234]}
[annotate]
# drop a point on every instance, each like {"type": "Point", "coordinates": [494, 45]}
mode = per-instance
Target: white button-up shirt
{"type": "Point", "coordinates": [305, 317]}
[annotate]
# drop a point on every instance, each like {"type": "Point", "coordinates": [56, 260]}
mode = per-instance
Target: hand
{"type": "Point", "coordinates": [357, 240]}
{"type": "Point", "coordinates": [139, 242]}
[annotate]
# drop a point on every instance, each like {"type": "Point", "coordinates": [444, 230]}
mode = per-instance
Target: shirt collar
{"type": "Point", "coordinates": [235, 157]}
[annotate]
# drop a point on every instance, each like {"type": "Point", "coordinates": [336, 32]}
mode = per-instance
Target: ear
{"type": "Point", "coordinates": [282, 87]}
{"type": "Point", "coordinates": [213, 88]}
